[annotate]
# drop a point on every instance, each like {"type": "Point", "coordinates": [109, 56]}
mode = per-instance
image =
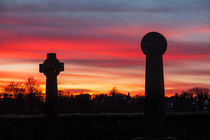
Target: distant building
{"type": "Point", "coordinates": [169, 104]}
{"type": "Point", "coordinates": [206, 105]}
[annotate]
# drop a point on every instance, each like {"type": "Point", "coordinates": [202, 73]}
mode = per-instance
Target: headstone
{"type": "Point", "coordinates": [51, 69]}
{"type": "Point", "coordinates": [154, 46]}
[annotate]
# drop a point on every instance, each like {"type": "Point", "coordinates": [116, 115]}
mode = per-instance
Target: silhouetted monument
{"type": "Point", "coordinates": [154, 46]}
{"type": "Point", "coordinates": [51, 68]}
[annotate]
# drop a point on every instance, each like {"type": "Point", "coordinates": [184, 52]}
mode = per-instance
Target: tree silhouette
{"type": "Point", "coordinates": [199, 92]}
{"type": "Point", "coordinates": [14, 88]}
{"type": "Point", "coordinates": [115, 92]}
{"type": "Point", "coordinates": [32, 85]}
{"type": "Point", "coordinates": [22, 97]}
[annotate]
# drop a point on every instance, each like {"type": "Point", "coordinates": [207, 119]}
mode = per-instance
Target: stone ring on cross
{"type": "Point", "coordinates": [153, 44]}
{"type": "Point", "coordinates": [51, 65]}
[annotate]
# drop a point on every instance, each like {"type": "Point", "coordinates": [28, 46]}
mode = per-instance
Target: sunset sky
{"type": "Point", "coordinates": [99, 42]}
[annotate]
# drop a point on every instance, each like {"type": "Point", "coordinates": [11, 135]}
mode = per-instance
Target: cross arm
{"type": "Point", "coordinates": [60, 67]}
{"type": "Point", "coordinates": [42, 68]}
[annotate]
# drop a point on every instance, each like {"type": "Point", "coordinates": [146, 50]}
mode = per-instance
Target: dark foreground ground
{"type": "Point", "coordinates": [183, 126]}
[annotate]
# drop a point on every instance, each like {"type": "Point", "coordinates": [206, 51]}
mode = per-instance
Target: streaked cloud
{"type": "Point", "coordinates": [99, 41]}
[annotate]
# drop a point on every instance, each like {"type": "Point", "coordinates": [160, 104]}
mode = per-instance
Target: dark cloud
{"type": "Point", "coordinates": [20, 61]}
{"type": "Point", "coordinates": [105, 6]}
{"type": "Point", "coordinates": [78, 90]}
{"type": "Point", "coordinates": [2, 6]}
{"type": "Point", "coordinates": [109, 63]}
{"type": "Point", "coordinates": [188, 48]}
{"type": "Point", "coordinates": [190, 72]}
{"type": "Point", "coordinates": [118, 12]}
{"type": "Point", "coordinates": [58, 28]}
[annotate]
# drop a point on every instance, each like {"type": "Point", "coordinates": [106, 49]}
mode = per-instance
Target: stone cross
{"type": "Point", "coordinates": [51, 68]}
{"type": "Point", "coordinates": [154, 46]}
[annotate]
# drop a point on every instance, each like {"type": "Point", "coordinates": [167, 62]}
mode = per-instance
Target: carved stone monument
{"type": "Point", "coordinates": [154, 46]}
{"type": "Point", "coordinates": [51, 68]}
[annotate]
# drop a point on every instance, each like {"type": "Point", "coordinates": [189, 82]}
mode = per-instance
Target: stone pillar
{"type": "Point", "coordinates": [154, 46]}
{"type": "Point", "coordinates": [51, 68]}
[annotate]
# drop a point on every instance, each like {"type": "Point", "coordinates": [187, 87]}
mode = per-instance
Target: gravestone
{"type": "Point", "coordinates": [154, 46]}
{"type": "Point", "coordinates": [51, 69]}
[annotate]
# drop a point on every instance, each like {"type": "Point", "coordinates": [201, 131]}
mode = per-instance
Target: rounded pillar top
{"type": "Point", "coordinates": [153, 44]}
